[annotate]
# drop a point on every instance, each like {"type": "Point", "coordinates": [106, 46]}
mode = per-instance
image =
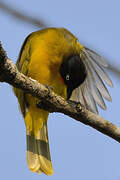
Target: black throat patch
{"type": "Point", "coordinates": [73, 72]}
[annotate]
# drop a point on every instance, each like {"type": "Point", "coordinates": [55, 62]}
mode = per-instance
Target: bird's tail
{"type": "Point", "coordinates": [38, 153]}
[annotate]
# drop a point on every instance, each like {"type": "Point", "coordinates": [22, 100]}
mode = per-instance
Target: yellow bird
{"type": "Point", "coordinates": [54, 57]}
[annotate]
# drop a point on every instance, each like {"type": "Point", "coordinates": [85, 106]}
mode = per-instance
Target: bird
{"type": "Point", "coordinates": [55, 58]}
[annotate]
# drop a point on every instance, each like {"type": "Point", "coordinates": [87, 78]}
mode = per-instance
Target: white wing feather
{"type": "Point", "coordinates": [92, 91]}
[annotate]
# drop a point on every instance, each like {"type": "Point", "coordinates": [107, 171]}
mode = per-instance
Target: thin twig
{"type": "Point", "coordinates": [40, 23]}
{"type": "Point", "coordinates": [50, 101]}
{"type": "Point", "coordinates": [114, 69]}
{"type": "Point", "coordinates": [22, 16]}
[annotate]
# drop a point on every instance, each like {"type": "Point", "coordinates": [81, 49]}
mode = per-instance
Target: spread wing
{"type": "Point", "coordinates": [93, 91]}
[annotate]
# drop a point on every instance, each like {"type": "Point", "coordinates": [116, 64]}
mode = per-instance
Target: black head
{"type": "Point", "coordinates": [73, 72]}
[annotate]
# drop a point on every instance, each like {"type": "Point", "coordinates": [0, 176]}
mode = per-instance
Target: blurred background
{"type": "Point", "coordinates": [77, 151]}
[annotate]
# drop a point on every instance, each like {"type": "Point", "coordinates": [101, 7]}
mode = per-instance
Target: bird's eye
{"type": "Point", "coordinates": [67, 77]}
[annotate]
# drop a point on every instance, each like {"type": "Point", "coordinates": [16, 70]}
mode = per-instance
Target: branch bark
{"type": "Point", "coordinates": [50, 101]}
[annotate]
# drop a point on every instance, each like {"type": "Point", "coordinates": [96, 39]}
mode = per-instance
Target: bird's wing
{"type": "Point", "coordinates": [93, 90]}
{"type": "Point", "coordinates": [22, 65]}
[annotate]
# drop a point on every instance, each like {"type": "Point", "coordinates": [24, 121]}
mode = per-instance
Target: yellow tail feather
{"type": "Point", "coordinates": [38, 153]}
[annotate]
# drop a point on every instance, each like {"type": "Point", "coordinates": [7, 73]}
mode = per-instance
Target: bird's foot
{"type": "Point", "coordinates": [77, 105]}
{"type": "Point", "coordinates": [49, 87]}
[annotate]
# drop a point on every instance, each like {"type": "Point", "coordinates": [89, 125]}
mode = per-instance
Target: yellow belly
{"type": "Point", "coordinates": [35, 117]}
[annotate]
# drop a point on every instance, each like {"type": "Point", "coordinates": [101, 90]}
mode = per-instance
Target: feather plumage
{"type": "Point", "coordinates": [93, 89]}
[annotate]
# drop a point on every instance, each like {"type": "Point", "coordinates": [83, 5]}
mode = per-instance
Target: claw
{"type": "Point", "coordinates": [75, 104]}
{"type": "Point", "coordinates": [38, 104]}
{"type": "Point", "coordinates": [49, 87]}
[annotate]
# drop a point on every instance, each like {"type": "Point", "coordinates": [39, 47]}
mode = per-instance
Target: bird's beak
{"type": "Point", "coordinates": [69, 92]}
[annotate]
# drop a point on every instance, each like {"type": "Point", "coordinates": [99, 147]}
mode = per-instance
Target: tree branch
{"type": "Point", "coordinates": [50, 101]}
